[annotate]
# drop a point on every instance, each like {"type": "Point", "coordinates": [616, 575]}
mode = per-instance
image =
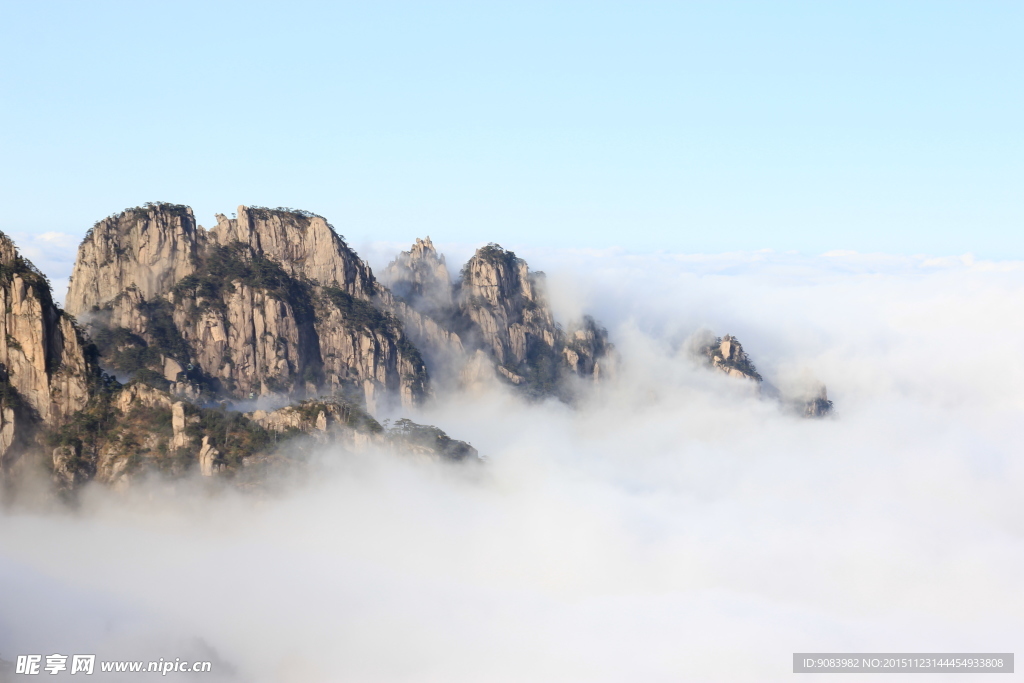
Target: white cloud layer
{"type": "Point", "coordinates": [673, 528]}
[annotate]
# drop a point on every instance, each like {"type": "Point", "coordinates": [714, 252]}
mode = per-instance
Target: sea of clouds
{"type": "Point", "coordinates": [673, 527]}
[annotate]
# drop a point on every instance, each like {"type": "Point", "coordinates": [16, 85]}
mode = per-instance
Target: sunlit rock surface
{"type": "Point", "coordinates": [497, 307]}
{"type": "Point", "coordinates": [184, 330]}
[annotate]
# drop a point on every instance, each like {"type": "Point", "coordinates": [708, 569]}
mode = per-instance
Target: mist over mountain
{"type": "Point", "coordinates": [509, 342]}
{"type": "Point", "coordinates": [184, 350]}
{"type": "Point", "coordinates": [654, 502]}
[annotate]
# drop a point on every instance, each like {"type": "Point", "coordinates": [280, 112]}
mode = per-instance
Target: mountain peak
{"type": "Point", "coordinates": [304, 243]}
{"type": "Point", "coordinates": [150, 247]}
{"type": "Point", "coordinates": [424, 249]}
{"type": "Point", "coordinates": [497, 309]}
{"type": "Point", "coordinates": [270, 303]}
{"type": "Point", "coordinates": [420, 277]}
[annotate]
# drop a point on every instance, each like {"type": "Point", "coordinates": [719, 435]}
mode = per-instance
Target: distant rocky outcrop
{"type": "Point", "coordinates": [817, 404]}
{"type": "Point", "coordinates": [726, 354]}
{"type": "Point", "coordinates": [137, 431]}
{"type": "Point", "coordinates": [420, 278]}
{"type": "Point", "coordinates": [420, 295]}
{"type": "Point", "coordinates": [498, 308]}
{"type": "Point", "coordinates": [407, 436]}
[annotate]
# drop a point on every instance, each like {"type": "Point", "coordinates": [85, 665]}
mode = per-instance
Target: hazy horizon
{"type": "Point", "coordinates": [54, 254]}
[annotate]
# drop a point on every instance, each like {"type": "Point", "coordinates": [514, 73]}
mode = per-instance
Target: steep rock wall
{"type": "Point", "coordinates": [498, 307]}
{"type": "Point", "coordinates": [502, 299]}
{"type": "Point", "coordinates": [420, 278]}
{"type": "Point", "coordinates": [45, 370]}
{"type": "Point", "coordinates": [150, 247]}
{"type": "Point", "coordinates": [303, 243]}
{"type": "Point", "coordinates": [270, 302]}
{"type": "Point", "coordinates": [254, 343]}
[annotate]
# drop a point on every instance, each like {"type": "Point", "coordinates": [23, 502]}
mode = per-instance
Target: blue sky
{"type": "Point", "coordinates": [687, 127]}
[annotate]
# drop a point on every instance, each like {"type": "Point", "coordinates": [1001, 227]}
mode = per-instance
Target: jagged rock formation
{"type": "Point", "coordinates": [426, 440]}
{"type": "Point", "coordinates": [192, 315]}
{"type": "Point", "coordinates": [127, 431]}
{"type": "Point", "coordinates": [498, 308]}
{"type": "Point", "coordinates": [135, 431]}
{"type": "Point", "coordinates": [420, 277]}
{"type": "Point", "coordinates": [726, 354]}
{"type": "Point", "coordinates": [302, 243]}
{"type": "Point", "coordinates": [272, 302]}
{"type": "Point", "coordinates": [502, 303]}
{"type": "Point", "coordinates": [45, 372]}
{"type": "Point", "coordinates": [332, 421]}
{"type": "Point", "coordinates": [817, 405]}
{"type": "Point", "coordinates": [150, 247]}
{"type": "Point", "coordinates": [420, 295]}
{"type": "Point", "coordinates": [587, 349]}
{"type": "Point", "coordinates": [326, 420]}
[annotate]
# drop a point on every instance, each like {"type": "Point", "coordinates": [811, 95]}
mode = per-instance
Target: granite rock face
{"type": "Point", "coordinates": [304, 245]}
{"type": "Point", "coordinates": [270, 308]}
{"type": "Point", "coordinates": [420, 278]}
{"type": "Point", "coordinates": [420, 295]}
{"type": "Point", "coordinates": [726, 354]}
{"type": "Point", "coordinates": [816, 405]}
{"type": "Point", "coordinates": [503, 302]}
{"type": "Point", "coordinates": [271, 303]}
{"type": "Point", "coordinates": [45, 372]}
{"type": "Point", "coordinates": [497, 308]}
{"type": "Point", "coordinates": [150, 247]}
{"type": "Point", "coordinates": [587, 351]}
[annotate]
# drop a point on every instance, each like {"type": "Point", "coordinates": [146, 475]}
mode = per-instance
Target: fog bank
{"type": "Point", "coordinates": [672, 527]}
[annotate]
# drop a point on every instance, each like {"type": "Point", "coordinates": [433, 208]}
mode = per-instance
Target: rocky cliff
{"type": "Point", "coordinates": [302, 243]}
{"type": "Point", "coordinates": [272, 302]}
{"type": "Point", "coordinates": [45, 369]}
{"type": "Point", "coordinates": [726, 354]}
{"type": "Point", "coordinates": [420, 278]}
{"type": "Point", "coordinates": [420, 295]}
{"type": "Point", "coordinates": [149, 247]}
{"type": "Point", "coordinates": [498, 310]}
{"type": "Point", "coordinates": [180, 322]}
